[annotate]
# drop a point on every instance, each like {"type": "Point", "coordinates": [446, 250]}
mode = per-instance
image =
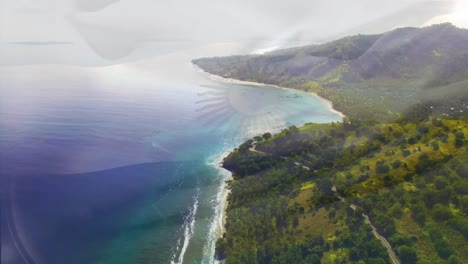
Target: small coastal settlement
{"type": "Point", "coordinates": [388, 184]}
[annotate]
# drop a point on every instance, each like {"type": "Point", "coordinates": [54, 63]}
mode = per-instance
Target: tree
{"type": "Point", "coordinates": [460, 224]}
{"type": "Point", "coordinates": [220, 249]}
{"type": "Point", "coordinates": [407, 254]}
{"type": "Point", "coordinates": [424, 163]}
{"type": "Point", "coordinates": [423, 129]}
{"type": "Point", "coordinates": [396, 210]}
{"type": "Point", "coordinates": [435, 145]}
{"type": "Point", "coordinates": [418, 215]}
{"type": "Point", "coordinates": [408, 176]}
{"type": "Point", "coordinates": [400, 240]}
{"type": "Point", "coordinates": [396, 164]}
{"type": "Point", "coordinates": [443, 249]}
{"type": "Point", "coordinates": [318, 250]}
{"type": "Point", "coordinates": [412, 140]}
{"type": "Point", "coordinates": [460, 135]}
{"type": "Point", "coordinates": [453, 260]}
{"type": "Point", "coordinates": [295, 221]}
{"type": "Point", "coordinates": [313, 259]}
{"type": "Point", "coordinates": [406, 153]}
{"type": "Point", "coordinates": [375, 261]}
{"type": "Point", "coordinates": [385, 224]}
{"type": "Point", "coordinates": [266, 136]}
{"type": "Point", "coordinates": [245, 146]}
{"type": "Point", "coordinates": [462, 170]}
{"type": "Point", "coordinates": [382, 168]}
{"type": "Point", "coordinates": [374, 248]}
{"type": "Point", "coordinates": [353, 254]}
{"type": "Point", "coordinates": [441, 213]}
{"type": "Point", "coordinates": [258, 138]}
{"type": "Point", "coordinates": [325, 185]}
{"type": "Point", "coordinates": [463, 203]}
{"type": "Point", "coordinates": [358, 211]}
{"type": "Point", "coordinates": [293, 129]}
{"type": "Point", "coordinates": [440, 182]}
{"type": "Point", "coordinates": [461, 187]}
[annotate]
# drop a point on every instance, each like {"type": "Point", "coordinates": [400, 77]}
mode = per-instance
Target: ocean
{"type": "Point", "coordinates": [120, 164]}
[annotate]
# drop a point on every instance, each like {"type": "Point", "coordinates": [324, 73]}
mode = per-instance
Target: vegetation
{"type": "Point", "coordinates": [415, 194]}
{"type": "Point", "coordinates": [398, 162]}
{"type": "Point", "coordinates": [371, 78]}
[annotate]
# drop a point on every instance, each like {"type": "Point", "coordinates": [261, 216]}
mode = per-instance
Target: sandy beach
{"type": "Point", "coordinates": [223, 194]}
{"type": "Point", "coordinates": [235, 81]}
{"type": "Point", "coordinates": [220, 221]}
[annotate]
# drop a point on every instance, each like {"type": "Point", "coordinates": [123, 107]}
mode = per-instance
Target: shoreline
{"type": "Point", "coordinates": [218, 228]}
{"type": "Point", "coordinates": [328, 102]}
{"type": "Point", "coordinates": [224, 195]}
{"type": "Point", "coordinates": [224, 192]}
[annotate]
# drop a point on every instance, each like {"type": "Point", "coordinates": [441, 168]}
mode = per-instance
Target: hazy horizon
{"type": "Point", "coordinates": [106, 32]}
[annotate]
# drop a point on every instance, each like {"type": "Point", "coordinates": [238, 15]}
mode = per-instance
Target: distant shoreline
{"type": "Point", "coordinates": [236, 81]}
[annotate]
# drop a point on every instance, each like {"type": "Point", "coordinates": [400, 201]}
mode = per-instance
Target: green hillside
{"type": "Point", "coordinates": [389, 184]}
{"type": "Point", "coordinates": [410, 179]}
{"type": "Point", "coordinates": [370, 77]}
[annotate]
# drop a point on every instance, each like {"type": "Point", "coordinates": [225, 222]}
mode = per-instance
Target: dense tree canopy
{"type": "Point", "coordinates": [290, 199]}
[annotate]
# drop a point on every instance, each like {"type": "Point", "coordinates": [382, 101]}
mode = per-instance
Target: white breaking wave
{"type": "Point", "coordinates": [189, 227]}
{"type": "Point", "coordinates": [218, 204]}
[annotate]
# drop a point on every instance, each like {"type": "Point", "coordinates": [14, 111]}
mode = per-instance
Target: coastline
{"type": "Point", "coordinates": [236, 81]}
{"type": "Point", "coordinates": [224, 191]}
{"type": "Point", "coordinates": [217, 229]}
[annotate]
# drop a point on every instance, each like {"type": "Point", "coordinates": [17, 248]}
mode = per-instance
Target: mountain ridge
{"type": "Point", "coordinates": [399, 65]}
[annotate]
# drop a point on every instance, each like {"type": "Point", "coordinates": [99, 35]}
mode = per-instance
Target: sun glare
{"type": "Point", "coordinates": [265, 50]}
{"type": "Point", "coordinates": [458, 16]}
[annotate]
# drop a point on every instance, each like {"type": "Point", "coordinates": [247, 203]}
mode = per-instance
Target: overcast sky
{"type": "Point", "coordinates": [109, 31]}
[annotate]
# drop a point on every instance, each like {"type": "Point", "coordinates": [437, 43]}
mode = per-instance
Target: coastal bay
{"type": "Point", "coordinates": [131, 147]}
{"type": "Point", "coordinates": [369, 188]}
{"type": "Point", "coordinates": [223, 203]}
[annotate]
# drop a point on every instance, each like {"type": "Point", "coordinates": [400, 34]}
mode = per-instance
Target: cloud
{"type": "Point", "coordinates": [41, 43]}
{"type": "Point", "coordinates": [94, 5]}
{"type": "Point", "coordinates": [458, 15]}
{"type": "Point", "coordinates": [112, 31]}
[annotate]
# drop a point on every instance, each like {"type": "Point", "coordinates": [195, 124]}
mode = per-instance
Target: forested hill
{"type": "Point", "coordinates": [367, 76]}
{"type": "Point", "coordinates": [389, 184]}
{"type": "Point", "coordinates": [310, 194]}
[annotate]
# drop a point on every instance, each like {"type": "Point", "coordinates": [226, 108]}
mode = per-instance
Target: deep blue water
{"type": "Point", "coordinates": [117, 164]}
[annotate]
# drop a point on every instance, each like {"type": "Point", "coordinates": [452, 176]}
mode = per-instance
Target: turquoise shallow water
{"type": "Point", "coordinates": [118, 164]}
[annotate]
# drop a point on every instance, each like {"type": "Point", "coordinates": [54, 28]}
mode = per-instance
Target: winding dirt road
{"type": "Point", "coordinates": [391, 253]}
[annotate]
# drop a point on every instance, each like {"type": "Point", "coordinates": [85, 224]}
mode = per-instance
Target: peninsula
{"type": "Point", "coordinates": [389, 184]}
